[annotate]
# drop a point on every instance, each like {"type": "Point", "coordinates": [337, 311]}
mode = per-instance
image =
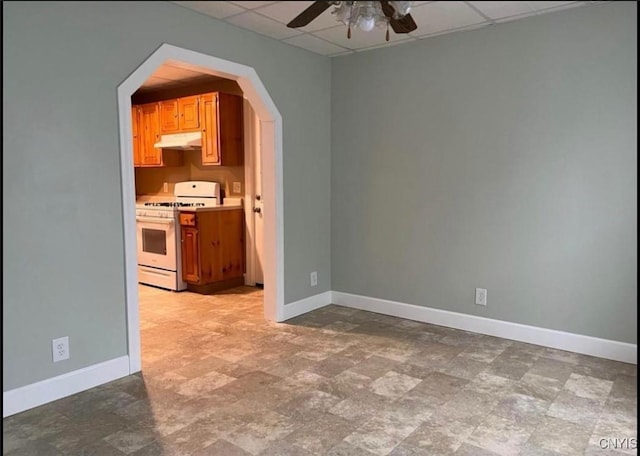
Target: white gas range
{"type": "Point", "coordinates": [158, 232]}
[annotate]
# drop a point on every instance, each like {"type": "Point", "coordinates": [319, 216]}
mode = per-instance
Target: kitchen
{"type": "Point", "coordinates": [191, 132]}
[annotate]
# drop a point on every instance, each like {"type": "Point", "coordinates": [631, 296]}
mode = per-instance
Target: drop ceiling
{"type": "Point", "coordinates": [326, 36]}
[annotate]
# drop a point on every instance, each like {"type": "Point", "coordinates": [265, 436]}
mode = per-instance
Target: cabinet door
{"type": "Point", "coordinates": [150, 134]}
{"type": "Point", "coordinates": [169, 120]}
{"type": "Point", "coordinates": [135, 122]}
{"type": "Point", "coordinates": [190, 254]}
{"type": "Point", "coordinates": [189, 116]}
{"type": "Point", "coordinates": [230, 129]}
{"type": "Point", "coordinates": [231, 226]}
{"type": "Point", "coordinates": [209, 120]}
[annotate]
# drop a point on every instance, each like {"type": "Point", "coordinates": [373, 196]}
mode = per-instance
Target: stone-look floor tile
{"type": "Point", "coordinates": [393, 384]}
{"type": "Point", "coordinates": [346, 449]}
{"type": "Point", "coordinates": [395, 421]}
{"type": "Point", "coordinates": [345, 384]}
{"type": "Point", "coordinates": [320, 435]}
{"type": "Point", "coordinates": [283, 448]}
{"type": "Point", "coordinates": [439, 385]}
{"type": "Point", "coordinates": [512, 369]}
{"type": "Point", "coordinates": [488, 383]}
{"type": "Point", "coordinates": [552, 368]}
{"type": "Point", "coordinates": [360, 407]}
{"type": "Point", "coordinates": [374, 367]}
{"type": "Point", "coordinates": [404, 449]}
{"type": "Point", "coordinates": [576, 409]}
{"type": "Point", "coordinates": [544, 388]}
{"type": "Point", "coordinates": [500, 435]}
{"type": "Point", "coordinates": [374, 440]}
{"type": "Point", "coordinates": [471, 450]}
{"type": "Point", "coordinates": [129, 441]}
{"type": "Point", "coordinates": [481, 353]}
{"type": "Point", "coordinates": [418, 407]}
{"type": "Point", "coordinates": [308, 402]}
{"type": "Point", "coordinates": [434, 354]}
{"type": "Point", "coordinates": [561, 436]}
{"type": "Point", "coordinates": [222, 447]}
{"type": "Point", "coordinates": [464, 367]}
{"type": "Point", "coordinates": [440, 436]}
{"type": "Point", "coordinates": [521, 409]}
{"type": "Point", "coordinates": [36, 448]}
{"type": "Point", "coordinates": [332, 366]}
{"type": "Point", "coordinates": [589, 387]}
{"type": "Point", "coordinates": [205, 384]}
{"type": "Point", "coordinates": [468, 406]}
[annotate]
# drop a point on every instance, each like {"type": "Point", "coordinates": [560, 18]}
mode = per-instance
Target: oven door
{"type": "Point", "coordinates": [157, 242]}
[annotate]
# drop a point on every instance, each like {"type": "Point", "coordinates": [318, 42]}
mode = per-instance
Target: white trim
{"type": "Point", "coordinates": [39, 393]}
{"type": "Point", "coordinates": [603, 348]}
{"type": "Point", "coordinates": [249, 148]}
{"type": "Point", "coordinates": [307, 305]}
{"type": "Point", "coordinates": [271, 139]}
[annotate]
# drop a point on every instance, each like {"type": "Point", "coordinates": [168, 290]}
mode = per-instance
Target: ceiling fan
{"type": "Point", "coordinates": [364, 14]}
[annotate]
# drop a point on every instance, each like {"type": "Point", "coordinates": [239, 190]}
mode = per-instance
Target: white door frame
{"type": "Point", "coordinates": [271, 139]}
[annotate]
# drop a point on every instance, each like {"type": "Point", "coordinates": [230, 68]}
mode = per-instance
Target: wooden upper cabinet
{"type": "Point", "coordinates": [146, 132]}
{"type": "Point", "coordinates": [135, 114]}
{"type": "Point", "coordinates": [209, 116]}
{"type": "Point", "coordinates": [169, 116]}
{"type": "Point", "coordinates": [149, 129]}
{"type": "Point", "coordinates": [222, 129]}
{"type": "Point", "coordinates": [179, 115]}
{"type": "Point", "coordinates": [188, 112]}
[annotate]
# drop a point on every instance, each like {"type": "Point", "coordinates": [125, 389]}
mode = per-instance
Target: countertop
{"type": "Point", "coordinates": [224, 207]}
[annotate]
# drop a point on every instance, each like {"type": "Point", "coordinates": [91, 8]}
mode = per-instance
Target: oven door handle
{"type": "Point", "coordinates": [160, 221]}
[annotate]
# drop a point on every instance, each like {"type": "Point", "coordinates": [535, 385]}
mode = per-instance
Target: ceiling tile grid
{"type": "Point", "coordinates": [326, 36]}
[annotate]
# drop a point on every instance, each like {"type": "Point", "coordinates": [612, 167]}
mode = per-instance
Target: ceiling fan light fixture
{"type": "Point", "coordinates": [365, 15]}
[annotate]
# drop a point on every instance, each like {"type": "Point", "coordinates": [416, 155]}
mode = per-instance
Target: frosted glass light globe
{"type": "Point", "coordinates": [366, 23]}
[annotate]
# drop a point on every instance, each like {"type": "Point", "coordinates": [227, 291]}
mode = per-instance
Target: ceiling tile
{"type": "Point", "coordinates": [315, 44]}
{"type": "Point", "coordinates": [215, 9]}
{"type": "Point", "coordinates": [544, 5]}
{"type": "Point", "coordinates": [285, 11]}
{"type": "Point", "coordinates": [252, 5]}
{"type": "Point", "coordinates": [359, 39]}
{"type": "Point", "coordinates": [437, 17]}
{"type": "Point", "coordinates": [263, 25]}
{"type": "Point", "coordinates": [498, 9]}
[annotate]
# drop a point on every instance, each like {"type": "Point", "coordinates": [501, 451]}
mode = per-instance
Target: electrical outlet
{"type": "Point", "coordinates": [481, 296]}
{"type": "Point", "coordinates": [237, 187]}
{"type": "Point", "coordinates": [60, 349]}
{"type": "Point", "coordinates": [314, 278]}
{"type": "Point", "coordinates": [165, 187]}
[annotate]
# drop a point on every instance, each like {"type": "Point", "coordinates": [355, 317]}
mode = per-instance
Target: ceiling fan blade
{"type": "Point", "coordinates": [405, 24]}
{"type": "Point", "coordinates": [315, 10]}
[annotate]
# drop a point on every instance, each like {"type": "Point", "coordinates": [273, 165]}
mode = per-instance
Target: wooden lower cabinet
{"type": "Point", "coordinates": [213, 248]}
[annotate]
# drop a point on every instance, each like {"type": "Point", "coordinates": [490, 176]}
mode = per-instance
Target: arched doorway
{"type": "Point", "coordinates": [271, 143]}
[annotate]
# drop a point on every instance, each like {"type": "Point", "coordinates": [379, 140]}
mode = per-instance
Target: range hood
{"type": "Point", "coordinates": [185, 141]}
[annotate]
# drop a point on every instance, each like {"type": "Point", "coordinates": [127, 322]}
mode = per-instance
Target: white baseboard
{"type": "Point", "coordinates": [39, 393]}
{"type": "Point", "coordinates": [306, 305]}
{"type": "Point", "coordinates": [587, 345]}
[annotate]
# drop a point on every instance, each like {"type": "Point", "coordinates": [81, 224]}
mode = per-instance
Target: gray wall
{"type": "Point", "coordinates": [63, 272]}
{"type": "Point", "coordinates": [502, 158]}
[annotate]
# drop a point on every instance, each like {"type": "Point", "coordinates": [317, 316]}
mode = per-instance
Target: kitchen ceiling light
{"type": "Point", "coordinates": [367, 14]}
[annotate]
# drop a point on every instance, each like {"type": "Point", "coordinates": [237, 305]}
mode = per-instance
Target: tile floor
{"type": "Point", "coordinates": [219, 380]}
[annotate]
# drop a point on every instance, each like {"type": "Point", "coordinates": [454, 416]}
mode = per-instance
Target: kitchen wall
{"type": "Point", "coordinates": [503, 158]}
{"type": "Point", "coordinates": [63, 259]}
{"type": "Point", "coordinates": [150, 181]}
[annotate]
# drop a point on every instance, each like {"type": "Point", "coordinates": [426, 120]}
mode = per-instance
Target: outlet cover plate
{"type": "Point", "coordinates": [481, 296]}
{"type": "Point", "coordinates": [313, 278]}
{"type": "Point", "coordinates": [237, 187]}
{"type": "Point", "coordinates": [60, 349]}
